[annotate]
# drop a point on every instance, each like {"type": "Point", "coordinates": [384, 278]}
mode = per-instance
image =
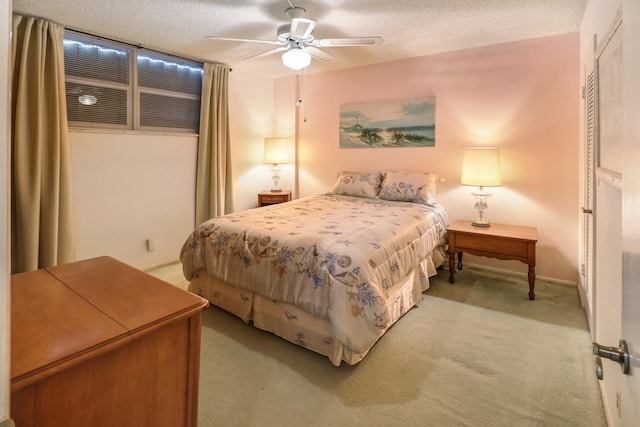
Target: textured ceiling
{"type": "Point", "coordinates": [410, 28]}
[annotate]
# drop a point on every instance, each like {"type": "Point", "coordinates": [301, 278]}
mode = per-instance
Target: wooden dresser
{"type": "Point", "coordinates": [99, 343]}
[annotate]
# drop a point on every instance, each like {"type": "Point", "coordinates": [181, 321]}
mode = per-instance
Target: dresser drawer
{"type": "Point", "coordinates": [496, 245]}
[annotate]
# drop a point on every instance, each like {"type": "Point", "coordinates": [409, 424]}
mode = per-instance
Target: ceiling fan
{"type": "Point", "coordinates": [298, 42]}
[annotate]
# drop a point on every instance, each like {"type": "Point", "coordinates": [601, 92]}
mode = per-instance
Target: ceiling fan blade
{"type": "Point", "coordinates": [318, 54]}
{"type": "Point", "coordinates": [348, 41]}
{"type": "Point", "coordinates": [267, 53]}
{"type": "Point", "coordinates": [302, 27]}
{"type": "Point", "coordinates": [232, 39]}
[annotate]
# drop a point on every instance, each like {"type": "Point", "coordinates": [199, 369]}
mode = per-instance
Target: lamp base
{"type": "Point", "coordinates": [481, 205]}
{"type": "Point", "coordinates": [275, 188]}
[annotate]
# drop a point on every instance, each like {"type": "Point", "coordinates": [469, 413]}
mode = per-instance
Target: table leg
{"type": "Point", "coordinates": [532, 282]}
{"type": "Point", "coordinates": [452, 266]}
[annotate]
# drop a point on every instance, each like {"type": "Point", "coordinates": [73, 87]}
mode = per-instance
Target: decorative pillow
{"type": "Point", "coordinates": [358, 184]}
{"type": "Point", "coordinates": [417, 187]}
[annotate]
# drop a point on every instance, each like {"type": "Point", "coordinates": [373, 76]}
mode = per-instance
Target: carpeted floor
{"type": "Point", "coordinates": [477, 353]}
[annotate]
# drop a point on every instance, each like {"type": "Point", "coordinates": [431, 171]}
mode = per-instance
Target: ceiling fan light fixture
{"type": "Point", "coordinates": [296, 59]}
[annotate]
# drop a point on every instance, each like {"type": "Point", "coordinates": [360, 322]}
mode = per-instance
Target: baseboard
{"type": "Point", "coordinates": [155, 266]}
{"type": "Point", "coordinates": [523, 275]}
{"type": "Point", "coordinates": [584, 303]}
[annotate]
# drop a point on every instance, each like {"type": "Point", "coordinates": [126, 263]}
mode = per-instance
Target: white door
{"type": "Point", "coordinates": [607, 218]}
{"type": "Point", "coordinates": [605, 96]}
{"type": "Point", "coordinates": [630, 387]}
{"type": "Point", "coordinates": [629, 162]}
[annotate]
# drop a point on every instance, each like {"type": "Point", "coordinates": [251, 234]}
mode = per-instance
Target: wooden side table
{"type": "Point", "coordinates": [266, 198]}
{"type": "Point", "coordinates": [506, 242]}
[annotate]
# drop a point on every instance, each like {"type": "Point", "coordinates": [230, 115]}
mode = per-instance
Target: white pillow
{"type": "Point", "coordinates": [417, 187]}
{"type": "Point", "coordinates": [358, 184]}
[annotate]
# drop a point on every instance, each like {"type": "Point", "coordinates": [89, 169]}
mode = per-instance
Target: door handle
{"type": "Point", "coordinates": [617, 354]}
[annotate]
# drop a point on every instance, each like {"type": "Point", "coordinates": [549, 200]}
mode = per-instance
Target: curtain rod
{"type": "Point", "coordinates": [138, 46]}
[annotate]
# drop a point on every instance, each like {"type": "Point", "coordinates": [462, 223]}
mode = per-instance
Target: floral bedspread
{"type": "Point", "coordinates": [333, 256]}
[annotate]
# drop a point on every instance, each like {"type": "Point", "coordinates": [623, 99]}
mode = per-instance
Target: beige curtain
{"type": "Point", "coordinates": [214, 195]}
{"type": "Point", "coordinates": [42, 231]}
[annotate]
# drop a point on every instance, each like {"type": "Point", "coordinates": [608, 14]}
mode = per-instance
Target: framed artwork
{"type": "Point", "coordinates": [406, 122]}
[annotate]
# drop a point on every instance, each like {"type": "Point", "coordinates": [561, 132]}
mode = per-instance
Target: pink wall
{"type": "Point", "coordinates": [523, 97]}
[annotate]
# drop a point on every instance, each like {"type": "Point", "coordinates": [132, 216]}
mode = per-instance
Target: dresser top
{"type": "Point", "coordinates": [64, 314]}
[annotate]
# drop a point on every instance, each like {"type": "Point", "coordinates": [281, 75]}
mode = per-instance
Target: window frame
{"type": "Point", "coordinates": [133, 88]}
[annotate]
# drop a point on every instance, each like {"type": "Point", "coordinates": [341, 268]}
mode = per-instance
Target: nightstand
{"type": "Point", "coordinates": [266, 198]}
{"type": "Point", "coordinates": [506, 242]}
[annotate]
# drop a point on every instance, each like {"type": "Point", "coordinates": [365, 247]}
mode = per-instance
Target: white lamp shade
{"type": "Point", "coordinates": [275, 151]}
{"type": "Point", "coordinates": [481, 167]}
{"type": "Point", "coordinates": [296, 59]}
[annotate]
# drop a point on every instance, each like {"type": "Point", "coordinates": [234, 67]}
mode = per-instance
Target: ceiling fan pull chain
{"type": "Point", "coordinates": [304, 104]}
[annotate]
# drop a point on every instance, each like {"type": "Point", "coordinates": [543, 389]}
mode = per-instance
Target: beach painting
{"type": "Point", "coordinates": [401, 123]}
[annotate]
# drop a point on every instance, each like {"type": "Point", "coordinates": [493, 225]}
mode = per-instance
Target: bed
{"type": "Point", "coordinates": [330, 272]}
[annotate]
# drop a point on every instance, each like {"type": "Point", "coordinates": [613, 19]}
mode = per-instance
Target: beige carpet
{"type": "Point", "coordinates": [477, 353]}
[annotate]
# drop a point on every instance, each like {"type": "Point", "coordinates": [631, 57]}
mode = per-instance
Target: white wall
{"type": "Point", "coordinates": [597, 19]}
{"type": "Point", "coordinates": [129, 187]}
{"type": "Point", "coordinates": [251, 120]}
{"type": "Point", "coordinates": [5, 318]}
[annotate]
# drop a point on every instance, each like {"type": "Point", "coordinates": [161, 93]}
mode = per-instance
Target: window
{"type": "Point", "coordinates": [169, 92]}
{"type": "Point", "coordinates": [107, 88]}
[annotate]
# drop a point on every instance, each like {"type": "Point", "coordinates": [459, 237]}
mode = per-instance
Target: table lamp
{"type": "Point", "coordinates": [275, 153]}
{"type": "Point", "coordinates": [481, 168]}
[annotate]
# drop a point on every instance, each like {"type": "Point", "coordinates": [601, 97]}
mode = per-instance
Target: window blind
{"type": "Point", "coordinates": [115, 85]}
